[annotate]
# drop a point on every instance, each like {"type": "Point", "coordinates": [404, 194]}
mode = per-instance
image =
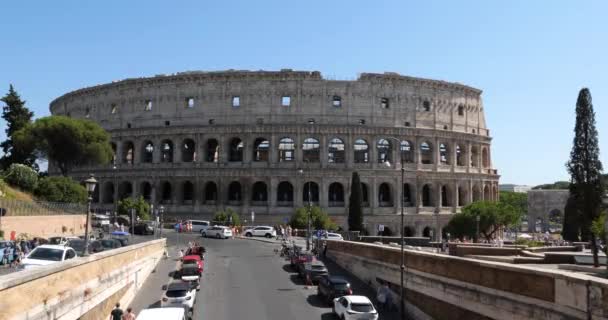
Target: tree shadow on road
{"type": "Point", "coordinates": [289, 268]}
{"type": "Point", "coordinates": [315, 301]}
{"type": "Point", "coordinates": [328, 316]}
{"type": "Point", "coordinates": [295, 278]}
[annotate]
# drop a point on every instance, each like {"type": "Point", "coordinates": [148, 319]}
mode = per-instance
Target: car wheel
{"type": "Point", "coordinates": [268, 235]}
{"type": "Point", "coordinates": [217, 235]}
{"type": "Point", "coordinates": [203, 234]}
{"type": "Point", "coordinates": [248, 234]}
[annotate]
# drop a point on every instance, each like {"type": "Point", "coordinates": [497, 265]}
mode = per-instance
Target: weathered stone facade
{"type": "Point", "coordinates": [198, 142]}
{"type": "Point", "coordinates": [546, 209]}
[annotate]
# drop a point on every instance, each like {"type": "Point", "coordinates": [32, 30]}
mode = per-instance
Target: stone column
{"type": "Point", "coordinates": [439, 196]}
{"type": "Point", "coordinates": [323, 193]}
{"type": "Point", "coordinates": [468, 157]}
{"type": "Point", "coordinates": [176, 189]}
{"type": "Point", "coordinates": [436, 154]}
{"type": "Point", "coordinates": [248, 142]}
{"type": "Point", "coordinates": [274, 149]}
{"type": "Point", "coordinates": [324, 150]}
{"type": "Point", "coordinates": [224, 148]}
{"type": "Point", "coordinates": [299, 158]}
{"type": "Point", "coordinates": [397, 194]}
{"type": "Point", "coordinates": [373, 194]}
{"type": "Point", "coordinates": [272, 196]}
{"type": "Point", "coordinates": [298, 189]}
{"type": "Point", "coordinates": [349, 151]}
{"type": "Point", "coordinates": [178, 143]}
{"type": "Point", "coordinates": [119, 158]}
{"type": "Point", "coordinates": [156, 151]}
{"type": "Point", "coordinates": [373, 152]}
{"type": "Point", "coordinates": [417, 158]}
{"type": "Point", "coordinates": [455, 188]}
{"type": "Point", "coordinates": [137, 150]}
{"type": "Point", "coordinates": [100, 186]}
{"type": "Point", "coordinates": [479, 157]}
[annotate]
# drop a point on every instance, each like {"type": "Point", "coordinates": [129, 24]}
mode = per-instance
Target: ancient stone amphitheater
{"type": "Point", "coordinates": [265, 142]}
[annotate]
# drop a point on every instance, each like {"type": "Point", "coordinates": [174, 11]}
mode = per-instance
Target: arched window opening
{"type": "Point", "coordinates": [384, 195]}
{"type": "Point", "coordinates": [476, 194]}
{"type": "Point", "coordinates": [114, 148]}
{"type": "Point", "coordinates": [166, 151]}
{"type": "Point", "coordinates": [148, 152]}
{"type": "Point", "coordinates": [461, 197]}
{"type": "Point", "coordinates": [284, 194]}
{"type": "Point", "coordinates": [146, 191]}
{"type": "Point", "coordinates": [108, 193]}
{"type": "Point", "coordinates": [459, 156]}
{"type": "Point", "coordinates": [408, 199]}
{"type": "Point", "coordinates": [166, 192]}
{"type": "Point", "coordinates": [485, 158]}
{"type": "Point", "coordinates": [95, 195]}
{"type": "Point", "coordinates": [444, 154]}
{"type": "Point", "coordinates": [125, 190]}
{"type": "Point", "coordinates": [408, 231]}
{"type": "Point", "coordinates": [128, 152]}
{"type": "Point", "coordinates": [486, 193]}
{"type": "Point", "coordinates": [407, 154]}
{"type": "Point", "coordinates": [361, 150]}
{"type": "Point", "coordinates": [427, 232]}
{"type": "Point", "coordinates": [312, 189]}
{"type": "Point", "coordinates": [286, 150]}
{"type": "Point", "coordinates": [384, 151]}
{"type": "Point", "coordinates": [236, 150]}
{"type": "Point", "coordinates": [556, 220]}
{"type": "Point", "coordinates": [335, 152]}
{"type": "Point", "coordinates": [427, 197]}
{"type": "Point", "coordinates": [445, 197]}
{"type": "Point", "coordinates": [188, 192]}
{"type": "Point", "coordinates": [234, 193]}
{"type": "Point", "coordinates": [426, 106]}
{"type": "Point", "coordinates": [212, 152]}
{"type": "Point", "coordinates": [210, 193]}
{"type": "Point", "coordinates": [336, 195]}
{"type": "Point", "coordinates": [426, 153]}
{"type": "Point", "coordinates": [310, 149]}
{"type": "Point", "coordinates": [261, 148]}
{"type": "Point", "coordinates": [364, 193]}
{"type": "Point", "coordinates": [474, 157]}
{"type": "Point", "coordinates": [259, 195]}
{"type": "Point", "coordinates": [188, 151]}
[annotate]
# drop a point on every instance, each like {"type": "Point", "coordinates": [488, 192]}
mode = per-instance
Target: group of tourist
{"type": "Point", "coordinates": [284, 231]}
{"type": "Point", "coordinates": [16, 251]}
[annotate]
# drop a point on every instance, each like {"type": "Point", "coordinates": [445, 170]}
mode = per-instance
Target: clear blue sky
{"type": "Point", "coordinates": [529, 57]}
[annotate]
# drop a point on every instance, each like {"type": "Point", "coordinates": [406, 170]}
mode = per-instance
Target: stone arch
{"type": "Point", "coordinates": [108, 192]}
{"type": "Point", "coordinates": [384, 150]}
{"type": "Point", "coordinates": [459, 156]}
{"type": "Point", "coordinates": [314, 192]}
{"type": "Point", "coordinates": [426, 153]}
{"type": "Point", "coordinates": [188, 192]}
{"type": "Point", "coordinates": [285, 194]}
{"type": "Point", "coordinates": [485, 158]}
{"type": "Point", "coordinates": [128, 152]}
{"type": "Point", "coordinates": [166, 192]}
{"type": "Point", "coordinates": [259, 192]}
{"type": "Point", "coordinates": [486, 193]}
{"type": "Point", "coordinates": [188, 150]}
{"type": "Point", "coordinates": [235, 150]}
{"type": "Point", "coordinates": [336, 195]}
{"type": "Point", "coordinates": [335, 151]}
{"type": "Point", "coordinates": [426, 232]}
{"type": "Point", "coordinates": [407, 154]}
{"type": "Point", "coordinates": [408, 196]}
{"type": "Point", "coordinates": [427, 196]}
{"type": "Point", "coordinates": [476, 193]}
{"type": "Point", "coordinates": [474, 156]}
{"type": "Point", "coordinates": [538, 224]}
{"type": "Point", "coordinates": [125, 190]}
{"type": "Point", "coordinates": [361, 151]}
{"type": "Point", "coordinates": [166, 151]}
{"type": "Point", "coordinates": [146, 190]}
{"type": "Point", "coordinates": [287, 149]}
{"type": "Point", "coordinates": [211, 193]}
{"type": "Point", "coordinates": [446, 196]}
{"type": "Point", "coordinates": [409, 231]}
{"type": "Point", "coordinates": [147, 152]}
{"type": "Point", "coordinates": [385, 198]}
{"type": "Point", "coordinates": [261, 149]}
{"type": "Point", "coordinates": [212, 151]}
{"type": "Point", "coordinates": [235, 191]}
{"type": "Point", "coordinates": [365, 195]}
{"type": "Point", "coordinates": [444, 154]}
{"type": "Point", "coordinates": [311, 151]}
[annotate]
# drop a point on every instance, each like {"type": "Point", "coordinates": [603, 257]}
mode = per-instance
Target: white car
{"type": "Point", "coordinates": [199, 226]}
{"type": "Point", "coordinates": [48, 254]}
{"type": "Point", "coordinates": [61, 240]}
{"type": "Point", "coordinates": [219, 232]}
{"type": "Point", "coordinates": [179, 294]}
{"type": "Point", "coordinates": [162, 314]}
{"type": "Point", "coordinates": [261, 231]}
{"type": "Point", "coordinates": [329, 236]}
{"type": "Point", "coordinates": [355, 307]}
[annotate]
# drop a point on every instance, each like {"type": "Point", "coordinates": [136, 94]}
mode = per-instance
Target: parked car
{"type": "Point", "coordinates": [190, 273]}
{"type": "Point", "coordinates": [333, 236]}
{"type": "Point", "coordinates": [299, 257]}
{"type": "Point", "coordinates": [178, 294]}
{"type": "Point", "coordinates": [219, 232]}
{"type": "Point", "coordinates": [162, 314]}
{"type": "Point", "coordinates": [109, 244]}
{"type": "Point", "coordinates": [60, 240]}
{"type": "Point", "coordinates": [122, 220]}
{"type": "Point", "coordinates": [331, 287]}
{"type": "Point", "coordinates": [48, 254]}
{"type": "Point", "coordinates": [78, 245]}
{"type": "Point", "coordinates": [354, 307]}
{"type": "Point", "coordinates": [314, 270]}
{"type": "Point", "coordinates": [193, 260]}
{"type": "Point", "coordinates": [143, 229]}
{"type": "Point", "coordinates": [261, 231]}
{"type": "Point", "coordinates": [199, 225]}
{"type": "Point", "coordinates": [100, 220]}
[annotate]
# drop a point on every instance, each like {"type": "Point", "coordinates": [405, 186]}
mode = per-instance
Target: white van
{"type": "Point", "coordinates": [199, 225]}
{"type": "Point", "coordinates": [162, 314]}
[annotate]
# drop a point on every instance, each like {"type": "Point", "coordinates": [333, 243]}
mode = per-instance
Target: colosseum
{"type": "Point", "coordinates": [265, 142]}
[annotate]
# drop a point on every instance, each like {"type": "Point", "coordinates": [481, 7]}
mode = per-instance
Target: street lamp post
{"type": "Point", "coordinates": [90, 185]}
{"type": "Point", "coordinates": [309, 216]}
{"type": "Point", "coordinates": [115, 195]}
{"type": "Point", "coordinates": [477, 218]}
{"type": "Point", "coordinates": [162, 210]}
{"type": "Point", "coordinates": [438, 234]}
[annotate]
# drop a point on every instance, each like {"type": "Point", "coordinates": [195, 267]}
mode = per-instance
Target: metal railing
{"type": "Point", "coordinates": [40, 208]}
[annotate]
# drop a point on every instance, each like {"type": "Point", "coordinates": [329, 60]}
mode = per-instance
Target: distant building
{"type": "Point", "coordinates": [514, 188]}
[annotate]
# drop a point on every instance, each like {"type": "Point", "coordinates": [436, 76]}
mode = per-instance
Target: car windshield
{"type": "Point", "coordinates": [189, 272]}
{"type": "Point", "coordinates": [54, 240]}
{"type": "Point", "coordinates": [362, 307]}
{"type": "Point", "coordinates": [176, 293]}
{"type": "Point", "coordinates": [318, 267]}
{"type": "Point", "coordinates": [46, 254]}
{"type": "Point", "coordinates": [341, 286]}
{"type": "Point", "coordinates": [77, 245]}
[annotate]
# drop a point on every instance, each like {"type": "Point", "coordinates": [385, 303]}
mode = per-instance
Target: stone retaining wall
{"type": "Point", "coordinates": [44, 226]}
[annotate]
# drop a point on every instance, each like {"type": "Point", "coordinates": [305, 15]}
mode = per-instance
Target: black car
{"type": "Point", "coordinates": [78, 246]}
{"type": "Point", "coordinates": [123, 241]}
{"type": "Point", "coordinates": [143, 229]}
{"type": "Point", "coordinates": [313, 270]}
{"type": "Point", "coordinates": [110, 244]}
{"type": "Point", "coordinates": [331, 287]}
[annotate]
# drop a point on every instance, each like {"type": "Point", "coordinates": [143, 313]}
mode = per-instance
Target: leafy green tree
{"type": "Point", "coordinates": [558, 185]}
{"type": "Point", "coordinates": [320, 219]}
{"type": "Point", "coordinates": [61, 189]}
{"type": "Point", "coordinates": [518, 200]}
{"type": "Point", "coordinates": [67, 142]}
{"type": "Point", "coordinates": [21, 176]}
{"type": "Point", "coordinates": [585, 168]}
{"type": "Point", "coordinates": [142, 208]}
{"type": "Point", "coordinates": [571, 229]}
{"type": "Point", "coordinates": [355, 210]}
{"type": "Point", "coordinates": [17, 117]}
{"type": "Point", "coordinates": [227, 217]}
{"type": "Point", "coordinates": [493, 216]}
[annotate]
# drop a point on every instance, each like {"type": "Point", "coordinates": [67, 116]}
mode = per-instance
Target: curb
{"type": "Point", "coordinates": [256, 239]}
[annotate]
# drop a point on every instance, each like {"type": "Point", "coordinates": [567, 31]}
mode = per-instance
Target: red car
{"type": "Point", "coordinates": [193, 259]}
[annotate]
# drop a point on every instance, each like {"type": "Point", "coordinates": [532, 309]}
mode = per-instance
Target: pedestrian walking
{"type": "Point", "coordinates": [116, 313]}
{"type": "Point", "coordinates": [16, 256]}
{"type": "Point", "coordinates": [181, 253]}
{"type": "Point", "coordinates": [381, 297]}
{"type": "Point", "coordinates": [129, 315]}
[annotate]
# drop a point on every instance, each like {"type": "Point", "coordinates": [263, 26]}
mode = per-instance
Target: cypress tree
{"type": "Point", "coordinates": [355, 211]}
{"type": "Point", "coordinates": [585, 168]}
{"type": "Point", "coordinates": [17, 116]}
{"type": "Point", "coordinates": [571, 229]}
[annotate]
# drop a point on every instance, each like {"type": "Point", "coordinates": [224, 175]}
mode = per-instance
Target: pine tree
{"type": "Point", "coordinates": [355, 212]}
{"type": "Point", "coordinates": [17, 116]}
{"type": "Point", "coordinates": [585, 168]}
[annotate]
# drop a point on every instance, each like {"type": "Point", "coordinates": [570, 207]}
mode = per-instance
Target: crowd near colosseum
{"type": "Point", "coordinates": [264, 142]}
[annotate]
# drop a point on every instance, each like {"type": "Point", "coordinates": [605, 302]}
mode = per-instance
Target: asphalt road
{"type": "Point", "coordinates": [245, 279]}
